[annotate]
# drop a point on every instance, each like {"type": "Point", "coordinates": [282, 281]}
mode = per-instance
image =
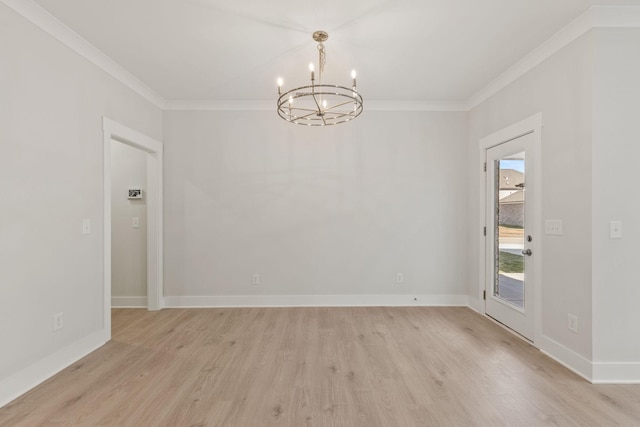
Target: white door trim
{"type": "Point", "coordinates": [154, 149]}
{"type": "Point", "coordinates": [530, 125]}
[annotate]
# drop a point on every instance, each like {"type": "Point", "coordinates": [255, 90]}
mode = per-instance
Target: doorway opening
{"type": "Point", "coordinates": [128, 226]}
{"type": "Point", "coordinates": [113, 131]}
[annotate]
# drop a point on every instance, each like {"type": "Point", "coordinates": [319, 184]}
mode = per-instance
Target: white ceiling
{"type": "Point", "coordinates": [404, 50]}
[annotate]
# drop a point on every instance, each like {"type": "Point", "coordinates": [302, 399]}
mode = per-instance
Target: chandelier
{"type": "Point", "coordinates": [319, 104]}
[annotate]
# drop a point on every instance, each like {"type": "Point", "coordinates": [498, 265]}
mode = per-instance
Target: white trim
{"type": "Point", "coordinates": [118, 132]}
{"type": "Point", "coordinates": [566, 357]}
{"type": "Point", "coordinates": [415, 106]}
{"type": "Point", "coordinates": [48, 23]}
{"type": "Point", "coordinates": [316, 301]}
{"type": "Point", "coordinates": [532, 124]}
{"type": "Point", "coordinates": [128, 302]}
{"type": "Point", "coordinates": [29, 377]}
{"type": "Point", "coordinates": [208, 105]}
{"type": "Point", "coordinates": [616, 373]}
{"type": "Point", "coordinates": [106, 231]}
{"type": "Point", "coordinates": [204, 105]}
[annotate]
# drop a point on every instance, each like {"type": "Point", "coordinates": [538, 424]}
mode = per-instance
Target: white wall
{"type": "Point", "coordinates": [329, 211]}
{"type": "Point", "coordinates": [51, 154]}
{"type": "Point", "coordinates": [616, 151]}
{"type": "Point", "coordinates": [561, 89]}
{"type": "Point", "coordinates": [128, 244]}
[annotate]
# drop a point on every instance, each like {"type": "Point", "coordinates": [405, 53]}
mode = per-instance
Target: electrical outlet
{"type": "Point", "coordinates": [255, 279]}
{"type": "Point", "coordinates": [86, 226]}
{"type": "Point", "coordinates": [58, 321]}
{"type": "Point", "coordinates": [615, 230]}
{"type": "Point", "coordinates": [135, 222]}
{"type": "Point", "coordinates": [399, 278]}
{"type": "Point", "coordinates": [573, 323]}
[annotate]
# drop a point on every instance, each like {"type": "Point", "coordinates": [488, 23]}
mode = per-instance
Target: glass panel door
{"type": "Point", "coordinates": [509, 243]}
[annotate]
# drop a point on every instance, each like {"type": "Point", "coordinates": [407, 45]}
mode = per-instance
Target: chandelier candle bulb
{"type": "Point", "coordinates": [280, 86]}
{"type": "Point", "coordinates": [311, 68]}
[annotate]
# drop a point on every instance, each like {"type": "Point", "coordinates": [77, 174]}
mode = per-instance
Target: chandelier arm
{"type": "Point", "coordinates": [337, 115]}
{"type": "Point", "coordinates": [338, 105]}
{"type": "Point", "coordinates": [319, 111]}
{"type": "Point", "coordinates": [316, 101]}
{"type": "Point", "coordinates": [303, 109]}
{"type": "Point", "coordinates": [306, 115]}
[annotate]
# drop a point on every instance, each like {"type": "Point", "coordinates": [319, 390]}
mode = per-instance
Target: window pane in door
{"type": "Point", "coordinates": [509, 229]}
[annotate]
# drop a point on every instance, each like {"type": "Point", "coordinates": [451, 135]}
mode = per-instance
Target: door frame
{"type": "Point", "coordinates": [530, 125]}
{"type": "Point", "coordinates": [113, 130]}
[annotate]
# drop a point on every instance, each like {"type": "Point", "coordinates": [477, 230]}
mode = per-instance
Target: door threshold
{"type": "Point", "coordinates": [508, 329]}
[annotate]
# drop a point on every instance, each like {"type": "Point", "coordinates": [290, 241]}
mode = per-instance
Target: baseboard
{"type": "Point", "coordinates": [566, 357]}
{"type": "Point", "coordinates": [129, 302]}
{"type": "Point", "coordinates": [616, 373]}
{"type": "Point", "coordinates": [315, 301]}
{"type": "Point", "coordinates": [26, 379]}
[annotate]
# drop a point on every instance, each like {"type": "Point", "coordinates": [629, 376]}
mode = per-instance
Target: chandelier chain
{"type": "Point", "coordinates": [322, 58]}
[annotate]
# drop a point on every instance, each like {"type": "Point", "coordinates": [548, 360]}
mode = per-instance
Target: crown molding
{"type": "Point", "coordinates": [594, 17]}
{"type": "Point", "coordinates": [415, 106]}
{"type": "Point", "coordinates": [205, 105]}
{"type": "Point", "coordinates": [208, 105]}
{"type": "Point", "coordinates": [48, 23]}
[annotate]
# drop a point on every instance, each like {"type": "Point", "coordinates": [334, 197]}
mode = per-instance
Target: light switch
{"type": "Point", "coordinates": [135, 222]}
{"type": "Point", "coordinates": [553, 227]}
{"type": "Point", "coordinates": [615, 229]}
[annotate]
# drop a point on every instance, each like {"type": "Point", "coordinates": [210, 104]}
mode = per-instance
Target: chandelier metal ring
{"type": "Point", "coordinates": [303, 105]}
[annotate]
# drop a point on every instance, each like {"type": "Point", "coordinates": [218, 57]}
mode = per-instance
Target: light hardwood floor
{"type": "Point", "coordinates": [318, 367]}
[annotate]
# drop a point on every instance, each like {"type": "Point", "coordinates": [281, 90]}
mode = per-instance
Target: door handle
{"type": "Point", "coordinates": [527, 252]}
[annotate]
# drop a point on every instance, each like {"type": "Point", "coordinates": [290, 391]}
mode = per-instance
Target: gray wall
{"type": "Point", "coordinates": [616, 150]}
{"type": "Point", "coordinates": [588, 95]}
{"type": "Point", "coordinates": [560, 88]}
{"type": "Point", "coordinates": [337, 210]}
{"type": "Point", "coordinates": [51, 156]}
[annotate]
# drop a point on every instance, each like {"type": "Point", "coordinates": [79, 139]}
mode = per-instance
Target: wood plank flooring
{"type": "Point", "coordinates": [318, 367]}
